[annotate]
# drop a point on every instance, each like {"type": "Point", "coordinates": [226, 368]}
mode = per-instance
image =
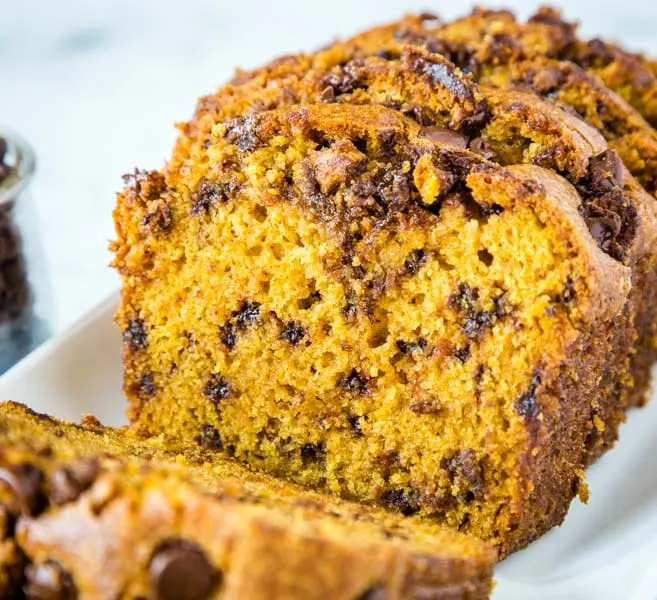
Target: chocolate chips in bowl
{"type": "Point", "coordinates": [21, 282]}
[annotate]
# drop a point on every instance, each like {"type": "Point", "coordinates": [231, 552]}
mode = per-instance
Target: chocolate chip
{"type": "Point", "coordinates": [425, 406]}
{"type": "Point", "coordinates": [411, 347]}
{"type": "Point", "coordinates": [476, 322]}
{"type": "Point", "coordinates": [67, 483]}
{"type": "Point", "coordinates": [207, 195]}
{"type": "Point", "coordinates": [135, 335]}
{"type": "Point", "coordinates": [217, 388]}
{"type": "Point", "coordinates": [568, 294]}
{"type": "Point", "coordinates": [49, 581]}
{"type": "Point", "coordinates": [159, 219]}
{"type": "Point", "coordinates": [247, 314]}
{"type": "Point", "coordinates": [385, 54]}
{"type": "Point", "coordinates": [466, 474]}
{"type": "Point", "coordinates": [355, 425]}
{"type": "Point", "coordinates": [373, 593]}
{"type": "Point", "coordinates": [228, 335]}
{"type": "Point", "coordinates": [327, 94]}
{"type": "Point", "coordinates": [293, 333]}
{"type": "Point", "coordinates": [400, 500]}
{"type": "Point", "coordinates": [312, 453]}
{"type": "Point", "coordinates": [242, 133]}
{"type": "Point", "coordinates": [465, 299]}
{"type": "Point", "coordinates": [146, 385]}
{"type": "Point", "coordinates": [414, 261]}
{"type": "Point", "coordinates": [442, 73]}
{"type": "Point", "coordinates": [443, 136]}
{"type": "Point", "coordinates": [354, 382]}
{"type": "Point", "coordinates": [606, 166]}
{"type": "Point", "coordinates": [485, 257]}
{"type": "Point", "coordinates": [209, 438]}
{"type": "Point", "coordinates": [480, 145]}
{"type": "Point", "coordinates": [24, 482]}
{"type": "Point", "coordinates": [180, 570]}
{"type": "Point", "coordinates": [526, 405]}
{"type": "Point", "coordinates": [462, 353]}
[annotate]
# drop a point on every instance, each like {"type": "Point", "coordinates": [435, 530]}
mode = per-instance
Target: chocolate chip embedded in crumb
{"type": "Point", "coordinates": [568, 294]}
{"type": "Point", "coordinates": [442, 72]}
{"type": "Point", "coordinates": [526, 405]}
{"type": "Point", "coordinates": [464, 299]}
{"type": "Point", "coordinates": [425, 406]}
{"type": "Point", "coordinates": [67, 483]}
{"type": "Point", "coordinates": [293, 333]}
{"type": "Point", "coordinates": [355, 425]}
{"type": "Point", "coordinates": [462, 353]}
{"type": "Point", "coordinates": [135, 335]}
{"type": "Point", "coordinates": [210, 438]}
{"type": "Point", "coordinates": [354, 382]}
{"type": "Point", "coordinates": [414, 261]}
{"type": "Point", "coordinates": [217, 388]}
{"type": "Point", "coordinates": [180, 570]}
{"type": "Point", "coordinates": [207, 196]}
{"type": "Point", "coordinates": [411, 347]}
{"type": "Point", "coordinates": [24, 482]}
{"type": "Point", "coordinates": [228, 335]}
{"type": "Point", "coordinates": [49, 581]}
{"type": "Point", "coordinates": [159, 219]}
{"type": "Point", "coordinates": [312, 453]}
{"type": "Point", "coordinates": [146, 385]}
{"type": "Point", "coordinates": [247, 314]}
{"type": "Point", "coordinates": [466, 474]}
{"type": "Point", "coordinates": [400, 500]}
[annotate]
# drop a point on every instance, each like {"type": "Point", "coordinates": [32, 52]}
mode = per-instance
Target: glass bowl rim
{"type": "Point", "coordinates": [24, 168]}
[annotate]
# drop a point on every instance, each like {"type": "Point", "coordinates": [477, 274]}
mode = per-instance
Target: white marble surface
{"type": "Point", "coordinates": [96, 86]}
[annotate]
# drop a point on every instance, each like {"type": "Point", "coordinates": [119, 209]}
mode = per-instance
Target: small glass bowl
{"type": "Point", "coordinates": [22, 277]}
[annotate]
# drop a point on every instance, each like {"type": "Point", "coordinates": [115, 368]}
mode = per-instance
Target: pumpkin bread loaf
{"type": "Point", "coordinates": [93, 512]}
{"type": "Point", "coordinates": [340, 297]}
{"type": "Point", "coordinates": [505, 126]}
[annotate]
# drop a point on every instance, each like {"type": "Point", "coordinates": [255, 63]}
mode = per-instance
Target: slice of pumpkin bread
{"type": "Point", "coordinates": [333, 295]}
{"type": "Point", "coordinates": [98, 513]}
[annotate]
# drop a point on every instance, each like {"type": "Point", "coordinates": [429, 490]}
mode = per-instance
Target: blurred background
{"type": "Point", "coordinates": [96, 86]}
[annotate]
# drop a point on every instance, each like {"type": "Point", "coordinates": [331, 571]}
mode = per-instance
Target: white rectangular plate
{"type": "Point", "coordinates": [606, 550]}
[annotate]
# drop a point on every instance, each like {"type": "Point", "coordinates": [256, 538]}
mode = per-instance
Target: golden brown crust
{"type": "Point", "coordinates": [112, 524]}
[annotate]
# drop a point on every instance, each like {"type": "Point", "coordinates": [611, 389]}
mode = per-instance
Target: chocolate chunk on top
{"type": "Point", "coordinates": [24, 483]}
{"type": "Point", "coordinates": [67, 483]}
{"type": "Point", "coordinates": [180, 570]}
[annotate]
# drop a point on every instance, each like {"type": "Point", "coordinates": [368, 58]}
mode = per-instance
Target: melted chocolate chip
{"type": "Point", "coordinates": [24, 482]}
{"type": "Point", "coordinates": [228, 335]}
{"type": "Point", "coordinates": [414, 261]}
{"type": "Point", "coordinates": [526, 405]}
{"type": "Point", "coordinates": [242, 133]}
{"type": "Point", "coordinates": [606, 170]}
{"type": "Point", "coordinates": [443, 136]}
{"type": "Point", "coordinates": [293, 333]}
{"type": "Point", "coordinates": [327, 94]}
{"type": "Point", "coordinates": [400, 500]}
{"type": "Point", "coordinates": [135, 335]}
{"type": "Point", "coordinates": [354, 382]}
{"type": "Point", "coordinates": [476, 322]}
{"type": "Point", "coordinates": [442, 73]}
{"type": "Point", "coordinates": [49, 581]}
{"type": "Point", "coordinates": [217, 388]}
{"type": "Point", "coordinates": [480, 145]}
{"type": "Point", "coordinates": [466, 474]}
{"type": "Point", "coordinates": [247, 314]}
{"type": "Point", "coordinates": [67, 483]}
{"type": "Point", "coordinates": [180, 570]}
